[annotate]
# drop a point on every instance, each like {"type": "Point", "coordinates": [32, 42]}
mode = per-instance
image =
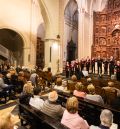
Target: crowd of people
{"type": "Point", "coordinates": [110, 66]}
{"type": "Point", "coordinates": [68, 115]}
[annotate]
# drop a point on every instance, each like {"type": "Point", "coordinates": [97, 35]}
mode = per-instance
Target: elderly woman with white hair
{"type": "Point", "coordinates": [106, 119]}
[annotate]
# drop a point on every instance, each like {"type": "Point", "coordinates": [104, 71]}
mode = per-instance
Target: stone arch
{"type": "Point", "coordinates": [46, 17]}
{"type": "Point", "coordinates": [14, 37]}
{"type": "Point", "coordinates": [71, 26]}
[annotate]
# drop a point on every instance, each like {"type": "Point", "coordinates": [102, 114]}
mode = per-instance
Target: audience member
{"type": "Point", "coordinates": [71, 118]}
{"type": "Point", "coordinates": [89, 80]}
{"type": "Point", "coordinates": [74, 78]}
{"type": "Point", "coordinates": [7, 122]}
{"type": "Point", "coordinates": [116, 102]}
{"type": "Point", "coordinates": [34, 77]}
{"type": "Point", "coordinates": [51, 108]}
{"type": "Point", "coordinates": [106, 118]}
{"type": "Point", "coordinates": [2, 84]}
{"type": "Point", "coordinates": [79, 90]}
{"type": "Point", "coordinates": [36, 101]}
{"type": "Point", "coordinates": [27, 93]}
{"type": "Point", "coordinates": [59, 85]}
{"type": "Point", "coordinates": [92, 95]}
{"type": "Point", "coordinates": [111, 87]}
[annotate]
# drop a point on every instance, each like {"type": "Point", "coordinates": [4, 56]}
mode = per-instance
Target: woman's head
{"type": "Point", "coordinates": [89, 80]}
{"type": "Point", "coordinates": [59, 81]}
{"type": "Point", "coordinates": [72, 105]}
{"type": "Point", "coordinates": [110, 84]}
{"type": "Point", "coordinates": [79, 86]}
{"type": "Point", "coordinates": [91, 89]}
{"type": "Point", "coordinates": [74, 78]}
{"type": "Point", "coordinates": [106, 117]}
{"type": "Point", "coordinates": [28, 88]}
{"type": "Point", "coordinates": [6, 121]}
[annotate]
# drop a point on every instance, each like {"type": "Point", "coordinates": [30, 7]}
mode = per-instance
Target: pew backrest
{"type": "Point", "coordinates": [37, 118]}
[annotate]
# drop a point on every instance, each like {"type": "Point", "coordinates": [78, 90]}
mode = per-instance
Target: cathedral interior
{"type": "Point", "coordinates": [49, 33]}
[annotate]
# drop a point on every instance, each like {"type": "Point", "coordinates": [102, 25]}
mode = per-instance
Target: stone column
{"type": "Point", "coordinates": [33, 54]}
{"type": "Point", "coordinates": [81, 33]}
{"type": "Point", "coordinates": [52, 54]}
{"type": "Point", "coordinates": [26, 58]}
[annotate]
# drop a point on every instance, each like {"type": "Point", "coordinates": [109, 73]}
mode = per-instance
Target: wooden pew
{"type": "Point", "coordinates": [90, 110]}
{"type": "Point", "coordinates": [37, 119]}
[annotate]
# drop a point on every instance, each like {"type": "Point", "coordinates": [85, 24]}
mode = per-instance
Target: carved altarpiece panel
{"type": "Point", "coordinates": [107, 31]}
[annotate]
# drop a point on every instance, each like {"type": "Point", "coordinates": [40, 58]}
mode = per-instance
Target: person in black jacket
{"type": "Point", "coordinates": [111, 66]}
{"type": "Point", "coordinates": [105, 62]}
{"type": "Point", "coordinates": [117, 68]}
{"type": "Point", "coordinates": [26, 94]}
{"type": "Point", "coordinates": [99, 65]}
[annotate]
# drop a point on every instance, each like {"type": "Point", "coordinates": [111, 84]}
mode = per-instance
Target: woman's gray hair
{"type": "Point", "coordinates": [106, 117]}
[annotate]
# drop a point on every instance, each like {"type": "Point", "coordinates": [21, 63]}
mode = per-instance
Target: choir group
{"type": "Point", "coordinates": [110, 66]}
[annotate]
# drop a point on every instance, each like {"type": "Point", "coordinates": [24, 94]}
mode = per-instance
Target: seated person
{"type": "Point", "coordinates": [2, 84]}
{"type": "Point", "coordinates": [36, 101]}
{"type": "Point", "coordinates": [27, 93]}
{"type": "Point", "coordinates": [8, 122]}
{"type": "Point", "coordinates": [51, 108]}
{"type": "Point", "coordinates": [71, 84]}
{"type": "Point", "coordinates": [34, 77]}
{"type": "Point", "coordinates": [79, 87]}
{"type": "Point", "coordinates": [85, 72]}
{"type": "Point", "coordinates": [116, 102]}
{"type": "Point", "coordinates": [59, 85]}
{"type": "Point", "coordinates": [74, 78]}
{"type": "Point", "coordinates": [89, 80]}
{"type": "Point", "coordinates": [106, 118]}
{"type": "Point", "coordinates": [92, 96]}
{"type": "Point", "coordinates": [111, 87]}
{"type": "Point", "coordinates": [71, 118]}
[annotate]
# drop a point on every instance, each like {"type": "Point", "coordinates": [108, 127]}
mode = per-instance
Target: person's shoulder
{"type": "Point", "coordinates": [94, 127]}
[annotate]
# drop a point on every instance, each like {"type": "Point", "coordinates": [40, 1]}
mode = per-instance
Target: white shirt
{"type": "Point", "coordinates": [36, 102]}
{"type": "Point", "coordinates": [85, 73]}
{"type": "Point", "coordinates": [59, 87]}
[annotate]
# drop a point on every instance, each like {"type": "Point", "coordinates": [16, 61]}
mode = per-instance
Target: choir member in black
{"type": "Point", "coordinates": [82, 63]}
{"type": "Point", "coordinates": [93, 65]}
{"type": "Point", "coordinates": [77, 69]}
{"type": "Point", "coordinates": [72, 68]}
{"type": "Point", "coordinates": [105, 62]}
{"type": "Point", "coordinates": [111, 66]}
{"type": "Point", "coordinates": [117, 67]}
{"type": "Point", "coordinates": [67, 69]}
{"type": "Point", "coordinates": [88, 64]}
{"type": "Point", "coordinates": [99, 65]}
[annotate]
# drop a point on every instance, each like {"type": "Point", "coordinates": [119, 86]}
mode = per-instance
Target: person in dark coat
{"type": "Point", "coordinates": [99, 65]}
{"type": "Point", "coordinates": [88, 63]}
{"type": "Point", "coordinates": [117, 68]}
{"type": "Point", "coordinates": [72, 68]}
{"type": "Point", "coordinates": [111, 66]}
{"type": "Point", "coordinates": [26, 94]}
{"type": "Point", "coordinates": [105, 62]}
{"type": "Point", "coordinates": [93, 65]}
{"type": "Point", "coordinates": [82, 63]}
{"type": "Point", "coordinates": [77, 69]}
{"type": "Point", "coordinates": [67, 69]}
{"type": "Point", "coordinates": [116, 103]}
